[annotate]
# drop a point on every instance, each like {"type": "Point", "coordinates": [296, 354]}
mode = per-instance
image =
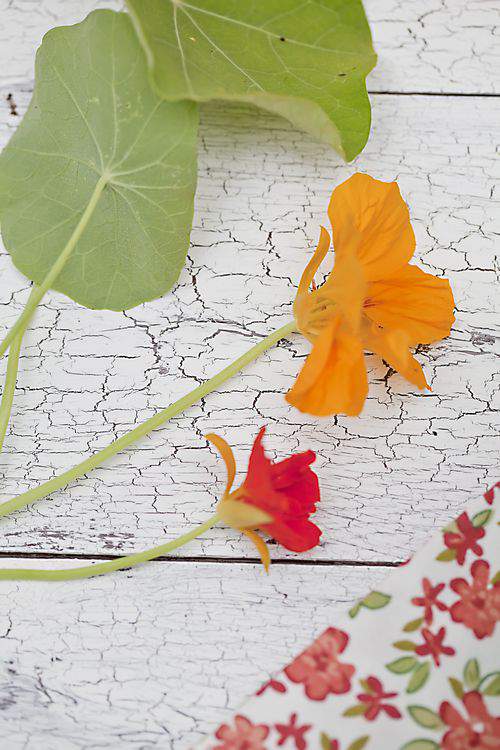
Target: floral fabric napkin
{"type": "Point", "coordinates": [413, 666]}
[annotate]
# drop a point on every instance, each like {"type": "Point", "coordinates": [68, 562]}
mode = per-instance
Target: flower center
{"type": "Point", "coordinates": [322, 662]}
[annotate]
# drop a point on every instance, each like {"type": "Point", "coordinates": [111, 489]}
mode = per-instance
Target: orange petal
{"type": "Point", "coordinates": [347, 287]}
{"type": "Point", "coordinates": [371, 220]}
{"type": "Point", "coordinates": [393, 347]}
{"type": "Point", "coordinates": [227, 456]}
{"type": "Point", "coordinates": [262, 548]}
{"type": "Point", "coordinates": [416, 302]}
{"type": "Point", "coordinates": [319, 254]}
{"type": "Point", "coordinates": [333, 379]}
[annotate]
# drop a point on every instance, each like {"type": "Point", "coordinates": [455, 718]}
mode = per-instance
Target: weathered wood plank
{"type": "Point", "coordinates": [430, 45]}
{"type": "Point", "coordinates": [389, 477]}
{"type": "Point", "coordinates": [156, 656]}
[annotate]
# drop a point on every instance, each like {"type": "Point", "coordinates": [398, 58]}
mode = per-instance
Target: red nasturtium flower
{"type": "Point", "coordinates": [373, 299]}
{"type": "Point", "coordinates": [465, 538]}
{"type": "Point", "coordinates": [277, 498]}
{"type": "Point", "coordinates": [375, 700]}
{"type": "Point", "coordinates": [243, 736]}
{"type": "Point", "coordinates": [429, 599]}
{"type": "Point", "coordinates": [479, 731]}
{"type": "Point", "coordinates": [434, 646]}
{"type": "Point", "coordinates": [479, 605]}
{"type": "Point", "coordinates": [318, 667]}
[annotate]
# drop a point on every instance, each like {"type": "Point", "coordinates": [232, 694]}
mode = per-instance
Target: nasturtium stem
{"type": "Point", "coordinates": [39, 291]}
{"type": "Point", "coordinates": [89, 571]}
{"type": "Point", "coordinates": [37, 493]}
{"type": "Point", "coordinates": [11, 376]}
{"type": "Point", "coordinates": [9, 386]}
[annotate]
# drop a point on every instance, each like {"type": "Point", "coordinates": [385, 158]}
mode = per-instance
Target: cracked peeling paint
{"type": "Point", "coordinates": [389, 477]}
{"type": "Point", "coordinates": [146, 659]}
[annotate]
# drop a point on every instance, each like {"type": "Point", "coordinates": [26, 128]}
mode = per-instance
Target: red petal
{"type": "Point", "coordinates": [297, 535]}
{"type": "Point", "coordinates": [450, 715]}
{"type": "Point", "coordinates": [480, 571]}
{"type": "Point", "coordinates": [392, 711]}
{"type": "Point", "coordinates": [475, 706]}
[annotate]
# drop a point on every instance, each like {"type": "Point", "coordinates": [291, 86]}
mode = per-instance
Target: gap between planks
{"type": "Point", "coordinates": [200, 559]}
{"type": "Point", "coordinates": [458, 94]}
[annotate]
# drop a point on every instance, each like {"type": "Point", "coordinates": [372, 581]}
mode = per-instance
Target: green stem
{"type": "Point", "coordinates": [9, 386]}
{"type": "Point", "coordinates": [39, 291]}
{"type": "Point", "coordinates": [37, 493]}
{"type": "Point", "coordinates": [11, 376]}
{"type": "Point", "coordinates": [88, 571]}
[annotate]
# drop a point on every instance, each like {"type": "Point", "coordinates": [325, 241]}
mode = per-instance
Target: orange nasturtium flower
{"type": "Point", "coordinates": [373, 299]}
{"type": "Point", "coordinates": [277, 498]}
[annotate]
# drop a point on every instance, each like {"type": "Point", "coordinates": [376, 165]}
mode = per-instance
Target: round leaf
{"type": "Point", "coordinates": [305, 61]}
{"type": "Point", "coordinates": [94, 120]}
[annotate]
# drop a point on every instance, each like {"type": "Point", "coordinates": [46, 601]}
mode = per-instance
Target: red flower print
{"type": "Point", "coordinates": [294, 732]}
{"type": "Point", "coordinates": [464, 539]}
{"type": "Point", "coordinates": [244, 736]}
{"type": "Point", "coordinates": [374, 700]}
{"type": "Point", "coordinates": [433, 645]}
{"type": "Point", "coordinates": [429, 599]}
{"type": "Point", "coordinates": [277, 498]}
{"type": "Point", "coordinates": [489, 495]}
{"type": "Point", "coordinates": [275, 685]}
{"type": "Point", "coordinates": [319, 669]}
{"type": "Point", "coordinates": [479, 605]}
{"type": "Point", "coordinates": [479, 731]}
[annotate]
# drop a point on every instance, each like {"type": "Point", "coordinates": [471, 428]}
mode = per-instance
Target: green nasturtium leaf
{"type": "Point", "coordinates": [96, 132]}
{"type": "Point", "coordinates": [306, 61]}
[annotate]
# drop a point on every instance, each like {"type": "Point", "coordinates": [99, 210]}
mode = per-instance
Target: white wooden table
{"type": "Point", "coordinates": [155, 657]}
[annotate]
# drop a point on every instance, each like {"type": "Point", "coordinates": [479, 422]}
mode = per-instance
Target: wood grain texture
{"type": "Point", "coordinates": [156, 656]}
